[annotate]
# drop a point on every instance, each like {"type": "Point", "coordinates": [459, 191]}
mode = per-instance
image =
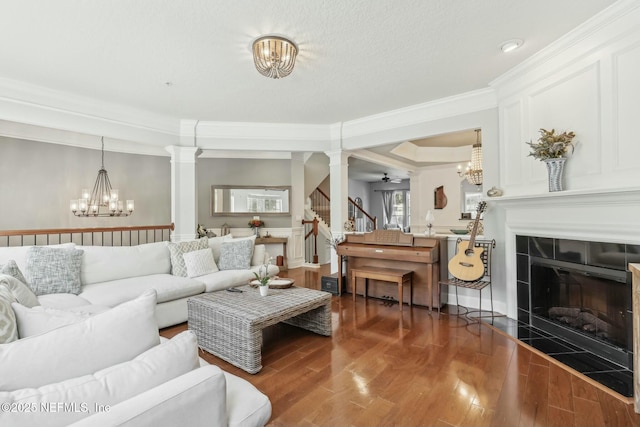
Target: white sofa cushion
{"type": "Point", "coordinates": [19, 253]}
{"type": "Point", "coordinates": [62, 301]}
{"type": "Point", "coordinates": [167, 286]}
{"type": "Point", "coordinates": [200, 262]}
{"type": "Point", "coordinates": [53, 270]}
{"type": "Point", "coordinates": [177, 250]}
{"type": "Point", "coordinates": [104, 388]}
{"type": "Point", "coordinates": [39, 319]}
{"type": "Point", "coordinates": [195, 399]}
{"type": "Point", "coordinates": [103, 340]}
{"type": "Point", "coordinates": [8, 321]}
{"type": "Point", "coordinates": [255, 407]}
{"type": "Point", "coordinates": [21, 292]}
{"type": "Point", "coordinates": [105, 263]}
{"type": "Point", "coordinates": [225, 279]}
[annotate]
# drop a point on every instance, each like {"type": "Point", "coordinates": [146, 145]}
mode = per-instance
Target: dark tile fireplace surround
{"type": "Point", "coordinates": [574, 304]}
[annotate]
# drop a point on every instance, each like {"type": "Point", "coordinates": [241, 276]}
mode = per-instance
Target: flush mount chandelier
{"type": "Point", "coordinates": [473, 172]}
{"type": "Point", "coordinates": [274, 56]}
{"type": "Point", "coordinates": [103, 200]}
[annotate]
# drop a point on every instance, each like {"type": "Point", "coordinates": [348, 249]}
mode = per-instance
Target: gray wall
{"type": "Point", "coordinates": [37, 181]}
{"type": "Point", "coordinates": [239, 172]}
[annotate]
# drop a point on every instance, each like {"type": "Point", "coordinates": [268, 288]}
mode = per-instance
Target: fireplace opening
{"type": "Point", "coordinates": [583, 304]}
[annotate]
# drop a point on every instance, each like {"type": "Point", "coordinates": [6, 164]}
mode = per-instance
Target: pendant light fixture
{"type": "Point", "coordinates": [473, 172]}
{"type": "Point", "coordinates": [103, 200]}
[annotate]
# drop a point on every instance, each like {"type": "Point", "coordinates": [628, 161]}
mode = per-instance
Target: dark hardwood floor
{"type": "Point", "coordinates": [383, 367]}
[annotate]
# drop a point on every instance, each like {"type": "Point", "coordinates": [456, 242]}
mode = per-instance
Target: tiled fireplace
{"type": "Point", "coordinates": [574, 304]}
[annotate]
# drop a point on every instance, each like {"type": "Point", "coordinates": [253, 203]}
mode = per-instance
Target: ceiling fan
{"type": "Point", "coordinates": [385, 178]}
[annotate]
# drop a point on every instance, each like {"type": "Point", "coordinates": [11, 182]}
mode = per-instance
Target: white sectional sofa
{"type": "Point", "coordinates": [113, 369]}
{"type": "Point", "coordinates": [112, 275]}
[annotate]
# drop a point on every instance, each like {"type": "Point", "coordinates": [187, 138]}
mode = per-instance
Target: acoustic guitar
{"type": "Point", "coordinates": [467, 264]}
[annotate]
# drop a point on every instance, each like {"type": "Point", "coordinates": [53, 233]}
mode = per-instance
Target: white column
{"type": "Point", "coordinates": [339, 185]}
{"type": "Point", "coordinates": [295, 247]}
{"type": "Point", "coordinates": [184, 191]}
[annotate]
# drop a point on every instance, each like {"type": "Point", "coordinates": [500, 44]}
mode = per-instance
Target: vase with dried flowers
{"type": "Point", "coordinates": [552, 149]}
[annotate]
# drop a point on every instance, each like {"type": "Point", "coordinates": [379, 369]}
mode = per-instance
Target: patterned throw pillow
{"type": "Point", "coordinates": [8, 324]}
{"type": "Point", "coordinates": [11, 268]}
{"type": "Point", "coordinates": [200, 262]}
{"type": "Point", "coordinates": [54, 270]}
{"type": "Point", "coordinates": [177, 250]}
{"type": "Point", "coordinates": [236, 255]}
{"type": "Point", "coordinates": [21, 292]}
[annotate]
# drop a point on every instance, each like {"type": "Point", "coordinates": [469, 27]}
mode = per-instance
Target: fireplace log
{"type": "Point", "coordinates": [564, 311]}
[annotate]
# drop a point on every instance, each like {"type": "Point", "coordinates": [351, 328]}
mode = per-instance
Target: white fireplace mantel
{"type": "Point", "coordinates": [601, 215]}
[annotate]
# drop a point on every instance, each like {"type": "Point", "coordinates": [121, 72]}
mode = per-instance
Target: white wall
{"type": "Point", "coordinates": [37, 181]}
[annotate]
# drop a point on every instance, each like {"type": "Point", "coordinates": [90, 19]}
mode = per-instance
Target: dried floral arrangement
{"type": "Point", "coordinates": [551, 145]}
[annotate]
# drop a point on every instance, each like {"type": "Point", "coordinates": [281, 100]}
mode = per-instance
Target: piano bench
{"type": "Point", "coordinates": [401, 277]}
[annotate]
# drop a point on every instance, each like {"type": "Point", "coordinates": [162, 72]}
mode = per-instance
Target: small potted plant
{"type": "Point", "coordinates": [262, 276]}
{"type": "Point", "coordinates": [552, 149]}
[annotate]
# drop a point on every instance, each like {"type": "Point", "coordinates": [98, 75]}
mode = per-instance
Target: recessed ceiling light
{"type": "Point", "coordinates": [510, 45]}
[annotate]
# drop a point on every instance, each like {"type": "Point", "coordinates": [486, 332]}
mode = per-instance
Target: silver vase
{"type": "Point", "coordinates": [555, 169]}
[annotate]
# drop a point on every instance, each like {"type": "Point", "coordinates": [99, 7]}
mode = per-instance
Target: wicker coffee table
{"type": "Point", "coordinates": [229, 325]}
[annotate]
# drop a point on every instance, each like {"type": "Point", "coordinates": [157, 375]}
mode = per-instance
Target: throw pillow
{"type": "Point", "coordinates": [54, 270]}
{"type": "Point", "coordinates": [177, 250]}
{"type": "Point", "coordinates": [8, 324]}
{"type": "Point", "coordinates": [259, 255]}
{"type": "Point", "coordinates": [38, 320]}
{"type": "Point", "coordinates": [21, 292]}
{"type": "Point", "coordinates": [236, 255]}
{"type": "Point", "coordinates": [200, 262]}
{"type": "Point", "coordinates": [215, 243]}
{"type": "Point", "coordinates": [103, 340]}
{"type": "Point", "coordinates": [11, 268]}
{"type": "Point", "coordinates": [104, 388]}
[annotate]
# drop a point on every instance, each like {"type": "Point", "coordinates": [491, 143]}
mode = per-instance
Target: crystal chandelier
{"type": "Point", "coordinates": [473, 172]}
{"type": "Point", "coordinates": [103, 200]}
{"type": "Point", "coordinates": [274, 56]}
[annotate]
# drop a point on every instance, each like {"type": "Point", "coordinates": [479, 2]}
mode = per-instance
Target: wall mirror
{"type": "Point", "coordinates": [470, 197]}
{"type": "Point", "coordinates": [256, 199]}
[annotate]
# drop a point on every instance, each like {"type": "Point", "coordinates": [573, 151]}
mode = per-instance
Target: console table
{"type": "Point", "coordinates": [276, 240]}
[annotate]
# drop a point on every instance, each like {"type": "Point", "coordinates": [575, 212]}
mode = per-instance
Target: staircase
{"type": "Point", "coordinates": [317, 236]}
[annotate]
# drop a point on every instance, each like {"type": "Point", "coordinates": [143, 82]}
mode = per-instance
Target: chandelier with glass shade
{"type": "Point", "coordinates": [103, 200]}
{"type": "Point", "coordinates": [473, 172]}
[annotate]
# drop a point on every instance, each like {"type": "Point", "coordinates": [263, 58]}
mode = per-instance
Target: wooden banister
{"type": "Point", "coordinates": [365, 213]}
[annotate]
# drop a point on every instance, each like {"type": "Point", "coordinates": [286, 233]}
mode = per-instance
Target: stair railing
{"type": "Point", "coordinates": [321, 205]}
{"type": "Point", "coordinates": [311, 240]}
{"type": "Point", "coordinates": [370, 221]}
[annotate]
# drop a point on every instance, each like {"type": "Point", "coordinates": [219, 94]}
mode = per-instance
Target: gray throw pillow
{"type": "Point", "coordinates": [236, 255]}
{"type": "Point", "coordinates": [8, 324]}
{"type": "Point", "coordinates": [11, 268]}
{"type": "Point", "coordinates": [178, 267]}
{"type": "Point", "coordinates": [54, 270]}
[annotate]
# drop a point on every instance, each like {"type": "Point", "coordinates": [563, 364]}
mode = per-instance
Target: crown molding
{"type": "Point", "coordinates": [27, 104]}
{"type": "Point", "coordinates": [468, 102]}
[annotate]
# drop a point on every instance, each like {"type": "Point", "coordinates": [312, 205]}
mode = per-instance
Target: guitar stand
{"type": "Point", "coordinates": [478, 285]}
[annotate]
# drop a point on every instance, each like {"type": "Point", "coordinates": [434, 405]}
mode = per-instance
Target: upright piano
{"type": "Point", "coordinates": [395, 249]}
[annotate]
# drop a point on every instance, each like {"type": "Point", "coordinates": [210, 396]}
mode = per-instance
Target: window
{"type": "Point", "coordinates": [401, 209]}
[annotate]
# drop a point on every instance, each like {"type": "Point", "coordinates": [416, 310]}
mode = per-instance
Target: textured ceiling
{"type": "Point", "coordinates": [357, 57]}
